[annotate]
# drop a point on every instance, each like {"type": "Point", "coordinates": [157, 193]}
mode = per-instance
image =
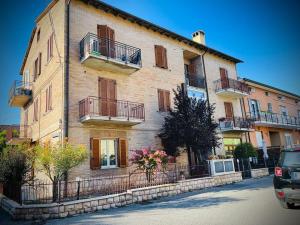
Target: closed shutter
{"type": "Point", "coordinates": [40, 63]}
{"type": "Point", "coordinates": [95, 153]}
{"type": "Point", "coordinates": [50, 97]}
{"type": "Point", "coordinates": [158, 55]}
{"type": "Point", "coordinates": [106, 37]}
{"type": "Point", "coordinates": [111, 37]}
{"type": "Point", "coordinates": [103, 101]}
{"type": "Point", "coordinates": [112, 98]}
{"type": "Point", "coordinates": [160, 100]}
{"type": "Point", "coordinates": [122, 153]}
{"type": "Point", "coordinates": [46, 106]}
{"type": "Point", "coordinates": [167, 100]}
{"type": "Point", "coordinates": [224, 78]}
{"type": "Point", "coordinates": [164, 58]}
{"type": "Point", "coordinates": [228, 110]}
{"type": "Point", "coordinates": [108, 97]}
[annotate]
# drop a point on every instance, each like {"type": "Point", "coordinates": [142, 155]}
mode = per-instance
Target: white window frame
{"type": "Point", "coordinates": [108, 166]}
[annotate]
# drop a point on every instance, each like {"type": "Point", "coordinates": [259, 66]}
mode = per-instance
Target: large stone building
{"type": "Point", "coordinates": [276, 116]}
{"type": "Point", "coordinates": [104, 78]}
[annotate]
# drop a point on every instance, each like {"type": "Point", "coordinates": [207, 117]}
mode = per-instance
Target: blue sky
{"type": "Point", "coordinates": [265, 34]}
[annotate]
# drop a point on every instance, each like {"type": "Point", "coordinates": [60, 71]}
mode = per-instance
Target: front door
{"type": "Point", "coordinates": [108, 154]}
{"type": "Point", "coordinates": [107, 97]}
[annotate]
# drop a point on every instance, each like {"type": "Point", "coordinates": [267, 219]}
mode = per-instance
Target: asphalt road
{"type": "Point", "coordinates": [247, 203]}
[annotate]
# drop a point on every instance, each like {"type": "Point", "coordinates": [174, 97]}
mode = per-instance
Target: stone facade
{"type": "Point", "coordinates": [256, 173]}
{"type": "Point", "coordinates": [54, 210]}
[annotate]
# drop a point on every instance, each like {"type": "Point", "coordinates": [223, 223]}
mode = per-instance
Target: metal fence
{"type": "Point", "coordinates": [228, 83]}
{"type": "Point", "coordinates": [47, 192]}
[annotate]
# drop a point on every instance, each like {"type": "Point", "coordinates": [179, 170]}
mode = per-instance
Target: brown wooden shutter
{"type": "Point", "coordinates": [40, 63]}
{"type": "Point", "coordinates": [111, 37]}
{"type": "Point", "coordinates": [103, 101]}
{"type": "Point", "coordinates": [112, 104]}
{"type": "Point", "coordinates": [167, 100]}
{"type": "Point", "coordinates": [122, 153]}
{"type": "Point", "coordinates": [46, 106]}
{"type": "Point", "coordinates": [228, 110]}
{"type": "Point", "coordinates": [224, 78]}
{"type": "Point", "coordinates": [192, 69]}
{"type": "Point", "coordinates": [160, 100]}
{"type": "Point", "coordinates": [48, 50]}
{"type": "Point", "coordinates": [50, 97]}
{"type": "Point", "coordinates": [106, 37]}
{"type": "Point", "coordinates": [158, 55]}
{"type": "Point", "coordinates": [164, 58]}
{"type": "Point", "coordinates": [95, 153]}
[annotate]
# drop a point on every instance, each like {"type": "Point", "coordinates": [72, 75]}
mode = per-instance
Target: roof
{"type": "Point", "coordinates": [272, 88]}
{"type": "Point", "coordinates": [134, 19]}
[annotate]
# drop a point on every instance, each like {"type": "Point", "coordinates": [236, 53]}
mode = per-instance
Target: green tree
{"type": "Point", "coordinates": [2, 140]}
{"type": "Point", "coordinates": [57, 160]}
{"type": "Point", "coordinates": [245, 150]}
{"type": "Point", "coordinates": [16, 164]}
{"type": "Point", "coordinates": [190, 125]}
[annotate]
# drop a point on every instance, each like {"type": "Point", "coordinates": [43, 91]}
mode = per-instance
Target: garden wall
{"type": "Point", "coordinates": [60, 210]}
{"type": "Point", "coordinates": [255, 173]}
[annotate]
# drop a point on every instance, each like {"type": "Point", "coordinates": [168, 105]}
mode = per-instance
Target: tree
{"type": "Point", "coordinates": [244, 151]}
{"type": "Point", "coordinates": [16, 162]}
{"type": "Point", "coordinates": [2, 140]}
{"type": "Point", "coordinates": [57, 160]}
{"type": "Point", "coordinates": [190, 125]}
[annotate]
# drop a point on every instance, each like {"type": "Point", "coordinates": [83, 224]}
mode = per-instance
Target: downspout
{"type": "Point", "coordinates": [66, 77]}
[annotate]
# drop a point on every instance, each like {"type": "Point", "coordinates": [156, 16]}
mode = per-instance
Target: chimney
{"type": "Point", "coordinates": [199, 37]}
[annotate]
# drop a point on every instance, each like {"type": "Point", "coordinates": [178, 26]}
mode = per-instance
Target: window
{"type": "Point", "coordinates": [48, 106]}
{"type": "Point", "coordinates": [108, 153]}
{"type": "Point", "coordinates": [252, 90]}
{"type": "Point", "coordinates": [161, 56]}
{"type": "Point", "coordinates": [50, 48]}
{"type": "Point", "coordinates": [288, 140]}
{"type": "Point", "coordinates": [270, 108]}
{"type": "Point", "coordinates": [163, 100]}
{"type": "Point", "coordinates": [281, 98]}
{"type": "Point", "coordinates": [283, 110]}
{"type": "Point", "coordinates": [193, 93]}
{"type": "Point", "coordinates": [230, 144]}
{"type": "Point", "coordinates": [38, 35]}
{"type": "Point", "coordinates": [37, 68]}
{"type": "Point", "coordinates": [267, 93]}
{"type": "Point", "coordinates": [35, 110]}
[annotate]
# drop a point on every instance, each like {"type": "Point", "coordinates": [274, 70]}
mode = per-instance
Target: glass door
{"type": "Point", "coordinates": [109, 153]}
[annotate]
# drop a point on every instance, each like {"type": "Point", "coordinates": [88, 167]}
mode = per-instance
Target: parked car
{"type": "Point", "coordinates": [287, 178]}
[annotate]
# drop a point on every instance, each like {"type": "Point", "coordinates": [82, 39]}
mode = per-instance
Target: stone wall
{"type": "Point", "coordinates": [60, 210]}
{"type": "Point", "coordinates": [255, 173]}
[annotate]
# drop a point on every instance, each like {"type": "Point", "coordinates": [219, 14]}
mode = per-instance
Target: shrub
{"type": "Point", "coordinates": [245, 150]}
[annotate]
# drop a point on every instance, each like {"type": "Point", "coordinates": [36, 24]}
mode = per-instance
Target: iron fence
{"type": "Point", "coordinates": [96, 106]}
{"type": "Point", "coordinates": [228, 83]}
{"type": "Point", "coordinates": [92, 45]}
{"type": "Point", "coordinates": [194, 81]}
{"type": "Point", "coordinates": [48, 192]}
{"type": "Point", "coordinates": [235, 122]}
{"type": "Point", "coordinates": [20, 87]}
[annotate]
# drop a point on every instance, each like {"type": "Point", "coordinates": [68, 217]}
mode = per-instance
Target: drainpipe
{"type": "Point", "coordinates": [66, 77]}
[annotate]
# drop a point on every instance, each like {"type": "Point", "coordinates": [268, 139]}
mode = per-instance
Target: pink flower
{"type": "Point", "coordinates": [145, 151]}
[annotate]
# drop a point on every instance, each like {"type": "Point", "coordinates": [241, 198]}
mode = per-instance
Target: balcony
{"type": "Point", "coordinates": [269, 119]}
{"type": "Point", "coordinates": [98, 110]}
{"type": "Point", "coordinates": [105, 54]}
{"type": "Point", "coordinates": [20, 93]}
{"type": "Point", "coordinates": [196, 82]}
{"type": "Point", "coordinates": [24, 136]}
{"type": "Point", "coordinates": [231, 88]}
{"type": "Point", "coordinates": [235, 124]}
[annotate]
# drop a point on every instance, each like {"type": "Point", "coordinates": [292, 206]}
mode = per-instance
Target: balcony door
{"type": "Point", "coordinates": [254, 108]}
{"type": "Point", "coordinates": [224, 78]}
{"type": "Point", "coordinates": [106, 37]}
{"type": "Point", "coordinates": [107, 89]}
{"type": "Point", "coordinates": [228, 110]}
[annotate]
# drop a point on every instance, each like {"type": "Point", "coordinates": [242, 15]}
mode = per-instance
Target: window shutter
{"type": "Point", "coordinates": [160, 100]}
{"type": "Point", "coordinates": [192, 69]}
{"type": "Point", "coordinates": [102, 31]}
{"type": "Point", "coordinates": [164, 58]}
{"type": "Point", "coordinates": [95, 153]}
{"type": "Point", "coordinates": [46, 108]}
{"type": "Point", "coordinates": [158, 55]}
{"type": "Point", "coordinates": [228, 109]}
{"type": "Point", "coordinates": [40, 63]}
{"type": "Point", "coordinates": [50, 97]}
{"type": "Point", "coordinates": [167, 100]}
{"type": "Point", "coordinates": [122, 157]}
{"type": "Point", "coordinates": [48, 50]}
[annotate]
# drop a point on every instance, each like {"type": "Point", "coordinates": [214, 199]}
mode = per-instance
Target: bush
{"type": "Point", "coordinates": [245, 150]}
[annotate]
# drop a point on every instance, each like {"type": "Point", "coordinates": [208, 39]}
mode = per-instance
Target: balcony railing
{"type": "Point", "coordinates": [20, 93]}
{"type": "Point", "coordinates": [99, 109]}
{"type": "Point", "coordinates": [235, 123]}
{"type": "Point", "coordinates": [195, 81]}
{"type": "Point", "coordinates": [270, 118]}
{"type": "Point", "coordinates": [231, 85]}
{"type": "Point", "coordinates": [93, 46]}
{"type": "Point", "coordinates": [23, 136]}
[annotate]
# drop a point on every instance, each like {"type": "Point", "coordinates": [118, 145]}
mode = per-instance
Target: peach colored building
{"type": "Point", "coordinates": [276, 115]}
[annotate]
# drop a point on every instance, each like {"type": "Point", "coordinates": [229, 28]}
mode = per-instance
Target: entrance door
{"type": "Point", "coordinates": [107, 97]}
{"type": "Point", "coordinates": [224, 78]}
{"type": "Point", "coordinates": [109, 153]}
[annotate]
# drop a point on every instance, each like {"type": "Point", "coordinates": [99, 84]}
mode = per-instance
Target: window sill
{"type": "Point", "coordinates": [161, 68]}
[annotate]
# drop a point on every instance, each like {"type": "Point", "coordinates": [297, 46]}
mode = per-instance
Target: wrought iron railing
{"type": "Point", "coordinates": [274, 118]}
{"type": "Point", "coordinates": [228, 83]}
{"type": "Point", "coordinates": [93, 45]}
{"type": "Point", "coordinates": [194, 81]}
{"type": "Point", "coordinates": [235, 122]}
{"type": "Point", "coordinates": [96, 106]}
{"type": "Point", "coordinates": [20, 88]}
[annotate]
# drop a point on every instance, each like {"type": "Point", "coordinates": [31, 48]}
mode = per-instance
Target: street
{"type": "Point", "coordinates": [249, 202]}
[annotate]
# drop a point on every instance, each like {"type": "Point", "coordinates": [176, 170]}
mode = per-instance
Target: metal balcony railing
{"type": "Point", "coordinates": [20, 88]}
{"type": "Point", "coordinates": [194, 81]}
{"type": "Point", "coordinates": [235, 123]}
{"type": "Point", "coordinates": [91, 44]}
{"type": "Point", "coordinates": [96, 106]}
{"type": "Point", "coordinates": [274, 118]}
{"type": "Point", "coordinates": [235, 85]}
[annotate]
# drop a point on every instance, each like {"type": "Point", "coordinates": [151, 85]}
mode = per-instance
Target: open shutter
{"type": "Point", "coordinates": [47, 94]}
{"type": "Point", "coordinates": [111, 37]}
{"type": "Point", "coordinates": [112, 104]}
{"type": "Point", "coordinates": [164, 58]}
{"type": "Point", "coordinates": [123, 152]}
{"type": "Point", "coordinates": [50, 97]}
{"type": "Point", "coordinates": [158, 55]}
{"type": "Point", "coordinates": [103, 101]}
{"type": "Point", "coordinates": [167, 100]}
{"type": "Point", "coordinates": [160, 100]}
{"type": "Point", "coordinates": [95, 153]}
{"type": "Point", "coordinates": [224, 78]}
{"type": "Point", "coordinates": [40, 63]}
{"type": "Point", "coordinates": [102, 32]}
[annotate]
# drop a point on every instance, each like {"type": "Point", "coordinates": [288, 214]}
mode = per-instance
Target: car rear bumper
{"type": "Point", "coordinates": [288, 195]}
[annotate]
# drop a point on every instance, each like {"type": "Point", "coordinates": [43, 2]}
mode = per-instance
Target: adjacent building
{"type": "Point", "coordinates": [275, 114]}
